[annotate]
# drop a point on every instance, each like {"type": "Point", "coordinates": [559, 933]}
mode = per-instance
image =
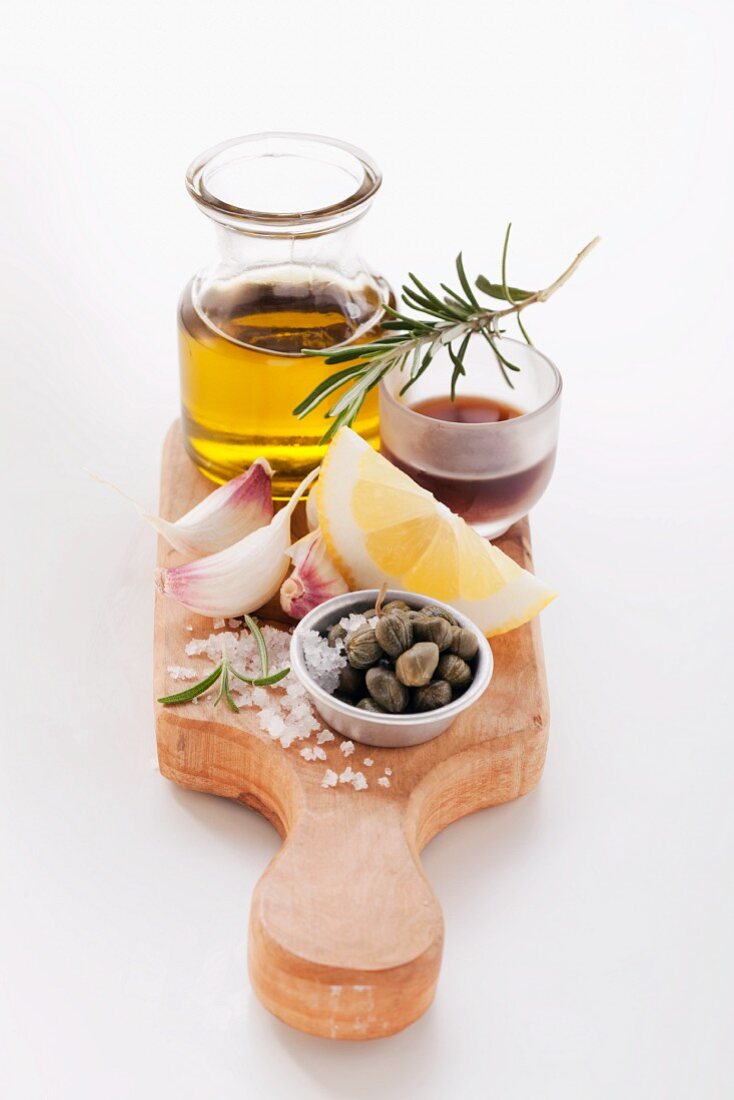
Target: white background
{"type": "Point", "coordinates": [588, 949]}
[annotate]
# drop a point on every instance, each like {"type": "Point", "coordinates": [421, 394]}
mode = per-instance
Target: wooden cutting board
{"type": "Point", "coordinates": [345, 931]}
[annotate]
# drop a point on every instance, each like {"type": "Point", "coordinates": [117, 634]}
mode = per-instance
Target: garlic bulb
{"type": "Point", "coordinates": [222, 518]}
{"type": "Point", "coordinates": [241, 578]}
{"type": "Point", "coordinates": [314, 579]}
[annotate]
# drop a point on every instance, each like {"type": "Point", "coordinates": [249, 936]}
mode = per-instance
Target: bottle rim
{"type": "Point", "coordinates": [331, 152]}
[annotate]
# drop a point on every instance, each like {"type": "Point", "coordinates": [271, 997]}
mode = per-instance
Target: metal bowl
{"type": "Point", "coordinates": [386, 730]}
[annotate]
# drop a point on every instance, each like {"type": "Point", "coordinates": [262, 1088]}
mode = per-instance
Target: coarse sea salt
{"type": "Point", "coordinates": [218, 624]}
{"type": "Point", "coordinates": [323, 661]}
{"type": "Point", "coordinates": [181, 672]}
{"type": "Point", "coordinates": [330, 778]}
{"type": "Point", "coordinates": [359, 782]}
{"type": "Point", "coordinates": [384, 781]}
{"type": "Point", "coordinates": [368, 761]}
{"type": "Point", "coordinates": [388, 771]}
{"type": "Point", "coordinates": [347, 747]}
{"type": "Point", "coordinates": [284, 711]}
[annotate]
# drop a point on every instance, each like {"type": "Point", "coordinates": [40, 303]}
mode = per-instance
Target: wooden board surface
{"type": "Point", "coordinates": [345, 931]}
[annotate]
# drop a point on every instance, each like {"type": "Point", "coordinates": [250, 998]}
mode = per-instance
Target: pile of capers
{"type": "Point", "coordinates": [404, 660]}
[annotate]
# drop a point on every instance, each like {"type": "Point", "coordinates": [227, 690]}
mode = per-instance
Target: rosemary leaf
{"type": "Point", "coordinates": [457, 299]}
{"type": "Point", "coordinates": [458, 361]}
{"type": "Point", "coordinates": [333, 382]}
{"type": "Point", "coordinates": [465, 284]}
{"type": "Point", "coordinates": [505, 288]}
{"type": "Point", "coordinates": [262, 649]}
{"type": "Point", "coordinates": [223, 682]}
{"type": "Point", "coordinates": [192, 692]}
{"type": "Point", "coordinates": [500, 363]}
{"type": "Point", "coordinates": [496, 290]}
{"type": "Point", "coordinates": [523, 330]}
{"type": "Point", "coordinates": [228, 694]}
{"type": "Point", "coordinates": [261, 681]}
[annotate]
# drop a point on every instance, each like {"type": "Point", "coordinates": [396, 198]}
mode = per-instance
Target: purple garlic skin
{"type": "Point", "coordinates": [314, 579]}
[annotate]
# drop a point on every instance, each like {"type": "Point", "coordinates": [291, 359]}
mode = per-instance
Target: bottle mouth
{"type": "Point", "coordinates": [262, 183]}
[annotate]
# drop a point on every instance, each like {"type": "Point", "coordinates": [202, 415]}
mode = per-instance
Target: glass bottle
{"type": "Point", "coordinates": [287, 276]}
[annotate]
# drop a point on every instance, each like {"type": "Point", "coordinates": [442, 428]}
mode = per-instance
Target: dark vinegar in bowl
{"type": "Point", "coordinates": [482, 501]}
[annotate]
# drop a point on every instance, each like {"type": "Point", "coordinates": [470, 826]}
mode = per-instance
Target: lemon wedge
{"type": "Point", "coordinates": [379, 525]}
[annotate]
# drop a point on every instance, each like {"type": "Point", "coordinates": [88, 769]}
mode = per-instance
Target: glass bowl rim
{"type": "Point", "coordinates": [492, 425]}
{"type": "Point", "coordinates": [196, 185]}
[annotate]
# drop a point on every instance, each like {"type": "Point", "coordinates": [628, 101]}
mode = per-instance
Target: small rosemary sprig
{"type": "Point", "coordinates": [225, 670]}
{"type": "Point", "coordinates": [452, 318]}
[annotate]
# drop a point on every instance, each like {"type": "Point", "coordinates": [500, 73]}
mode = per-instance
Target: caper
{"type": "Point", "coordinates": [369, 704]}
{"type": "Point", "coordinates": [395, 605]}
{"type": "Point", "coordinates": [363, 649]}
{"type": "Point", "coordinates": [394, 633]}
{"type": "Point", "coordinates": [336, 634]}
{"type": "Point", "coordinates": [454, 670]}
{"type": "Point", "coordinates": [351, 680]}
{"type": "Point", "coordinates": [433, 695]}
{"type": "Point", "coordinates": [464, 643]}
{"type": "Point", "coordinates": [432, 610]}
{"type": "Point", "coordinates": [430, 628]}
{"type": "Point", "coordinates": [386, 690]}
{"type": "Point", "coordinates": [417, 665]}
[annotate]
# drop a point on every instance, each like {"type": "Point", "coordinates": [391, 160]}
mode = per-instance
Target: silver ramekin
{"type": "Point", "coordinates": [386, 730]}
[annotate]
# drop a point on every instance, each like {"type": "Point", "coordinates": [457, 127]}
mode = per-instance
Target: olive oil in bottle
{"type": "Point", "coordinates": [241, 380]}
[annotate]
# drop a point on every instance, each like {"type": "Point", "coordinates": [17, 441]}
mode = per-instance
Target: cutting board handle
{"type": "Point", "coordinates": [345, 931]}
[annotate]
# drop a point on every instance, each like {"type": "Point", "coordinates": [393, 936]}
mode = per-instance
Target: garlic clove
{"type": "Point", "coordinates": [240, 578]}
{"type": "Point", "coordinates": [314, 579]}
{"type": "Point", "coordinates": [225, 516]}
{"type": "Point", "coordinates": [312, 515]}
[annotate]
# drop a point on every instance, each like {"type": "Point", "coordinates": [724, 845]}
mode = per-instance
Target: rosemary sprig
{"type": "Point", "coordinates": [225, 670]}
{"type": "Point", "coordinates": [455, 316]}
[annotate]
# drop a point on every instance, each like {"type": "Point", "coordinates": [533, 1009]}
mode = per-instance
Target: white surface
{"type": "Point", "coordinates": [588, 927]}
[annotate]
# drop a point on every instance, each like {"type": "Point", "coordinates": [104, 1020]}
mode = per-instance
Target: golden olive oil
{"type": "Point", "coordinates": [242, 372]}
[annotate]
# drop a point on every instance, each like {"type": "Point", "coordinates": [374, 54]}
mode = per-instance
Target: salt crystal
{"type": "Point", "coordinates": [323, 736]}
{"type": "Point", "coordinates": [287, 738]}
{"type": "Point", "coordinates": [271, 722]}
{"type": "Point", "coordinates": [189, 626]}
{"type": "Point", "coordinates": [347, 775]}
{"type": "Point", "coordinates": [218, 624]}
{"type": "Point", "coordinates": [388, 771]}
{"type": "Point", "coordinates": [368, 761]}
{"type": "Point", "coordinates": [352, 621]}
{"type": "Point", "coordinates": [234, 623]}
{"type": "Point", "coordinates": [180, 672]}
{"type": "Point", "coordinates": [384, 781]}
{"type": "Point", "coordinates": [211, 647]}
{"type": "Point", "coordinates": [260, 697]}
{"type": "Point", "coordinates": [347, 747]}
{"type": "Point", "coordinates": [324, 662]}
{"type": "Point", "coordinates": [359, 782]}
{"type": "Point", "coordinates": [313, 753]}
{"type": "Point", "coordinates": [330, 778]}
